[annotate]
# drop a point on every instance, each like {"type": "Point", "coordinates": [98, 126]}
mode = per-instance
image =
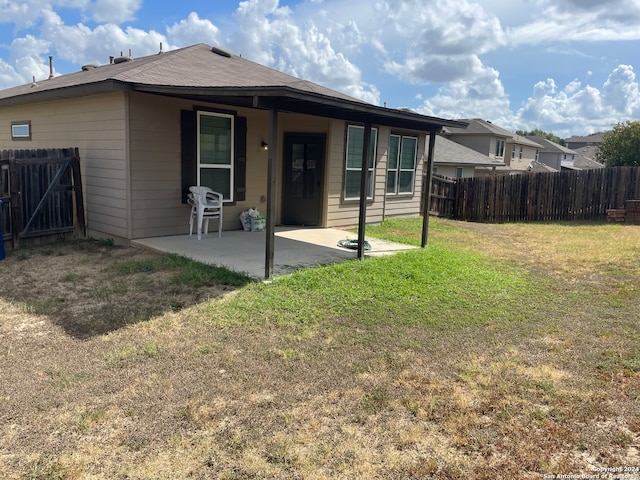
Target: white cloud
{"type": "Point", "coordinates": [482, 95]}
{"type": "Point", "coordinates": [437, 41]}
{"type": "Point", "coordinates": [593, 109]}
{"type": "Point", "coordinates": [115, 11]}
{"type": "Point", "coordinates": [194, 30]}
{"type": "Point", "coordinates": [270, 35]}
{"type": "Point", "coordinates": [81, 44]}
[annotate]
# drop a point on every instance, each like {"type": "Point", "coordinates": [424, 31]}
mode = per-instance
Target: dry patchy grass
{"type": "Point", "coordinates": [176, 393]}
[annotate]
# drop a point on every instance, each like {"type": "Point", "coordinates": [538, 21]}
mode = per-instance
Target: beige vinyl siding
{"type": "Point", "coordinates": [408, 205]}
{"type": "Point", "coordinates": [156, 186]}
{"type": "Point", "coordinates": [450, 170]}
{"type": "Point", "coordinates": [480, 143]}
{"type": "Point", "coordinates": [341, 213]}
{"type": "Point", "coordinates": [528, 153]}
{"type": "Point", "coordinates": [96, 125]}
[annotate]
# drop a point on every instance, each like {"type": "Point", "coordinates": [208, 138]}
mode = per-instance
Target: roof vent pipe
{"type": "Point", "coordinates": [110, 59]}
{"type": "Point", "coordinates": [160, 49]}
{"type": "Point", "coordinates": [50, 67]}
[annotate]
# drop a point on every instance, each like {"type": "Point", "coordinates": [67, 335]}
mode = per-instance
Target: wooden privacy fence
{"type": "Point", "coordinates": [41, 191]}
{"type": "Point", "coordinates": [571, 195]}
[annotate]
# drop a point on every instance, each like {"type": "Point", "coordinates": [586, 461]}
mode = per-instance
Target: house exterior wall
{"type": "Point", "coordinates": [343, 213]}
{"type": "Point", "coordinates": [484, 144]}
{"type": "Point", "coordinates": [97, 126]}
{"type": "Point", "coordinates": [156, 188]}
{"type": "Point", "coordinates": [130, 148]}
{"type": "Point", "coordinates": [552, 159]}
{"type": "Point", "coordinates": [404, 205]}
{"type": "Point", "coordinates": [528, 153]}
{"type": "Point", "coordinates": [451, 170]}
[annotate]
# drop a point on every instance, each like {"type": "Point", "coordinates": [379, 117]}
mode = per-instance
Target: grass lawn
{"type": "Point", "coordinates": [498, 352]}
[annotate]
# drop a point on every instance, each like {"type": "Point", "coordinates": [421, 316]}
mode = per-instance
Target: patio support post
{"type": "Point", "coordinates": [426, 199]}
{"type": "Point", "coordinates": [272, 156]}
{"type": "Point", "coordinates": [366, 141]}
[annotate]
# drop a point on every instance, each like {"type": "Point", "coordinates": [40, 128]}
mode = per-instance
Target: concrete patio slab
{"type": "Point", "coordinates": [242, 251]}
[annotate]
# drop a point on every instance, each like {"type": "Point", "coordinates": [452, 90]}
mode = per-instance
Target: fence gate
{"type": "Point", "coordinates": [443, 196]}
{"type": "Point", "coordinates": [41, 192]}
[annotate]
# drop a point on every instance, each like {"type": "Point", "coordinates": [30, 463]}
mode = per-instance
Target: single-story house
{"type": "Point", "coordinates": [148, 128]}
{"type": "Point", "coordinates": [454, 160]}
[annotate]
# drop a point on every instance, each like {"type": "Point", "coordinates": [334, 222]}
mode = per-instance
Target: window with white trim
{"type": "Point", "coordinates": [499, 147]}
{"type": "Point", "coordinates": [215, 152]}
{"type": "Point", "coordinates": [21, 130]}
{"type": "Point", "coordinates": [459, 172]}
{"type": "Point", "coordinates": [401, 166]}
{"type": "Point", "coordinates": [513, 152]}
{"type": "Point", "coordinates": [521, 152]}
{"type": "Point", "coordinates": [353, 162]}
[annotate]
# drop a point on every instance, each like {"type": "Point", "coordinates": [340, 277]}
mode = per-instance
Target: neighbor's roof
{"type": "Point", "coordinates": [593, 138]}
{"type": "Point", "coordinates": [522, 165]}
{"type": "Point", "coordinates": [452, 153]}
{"type": "Point", "coordinates": [550, 147]}
{"type": "Point", "coordinates": [203, 73]}
{"type": "Point", "coordinates": [520, 140]}
{"type": "Point", "coordinates": [477, 126]}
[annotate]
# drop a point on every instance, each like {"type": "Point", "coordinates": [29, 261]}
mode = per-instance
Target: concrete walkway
{"type": "Point", "coordinates": [245, 251]}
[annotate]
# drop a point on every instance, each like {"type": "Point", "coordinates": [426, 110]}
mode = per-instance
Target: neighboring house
{"type": "Point", "coordinates": [552, 154]}
{"type": "Point", "coordinates": [521, 152]}
{"type": "Point", "coordinates": [148, 128]}
{"type": "Point", "coordinates": [593, 140]}
{"type": "Point", "coordinates": [497, 143]}
{"type": "Point", "coordinates": [454, 160]}
{"type": "Point", "coordinates": [582, 160]}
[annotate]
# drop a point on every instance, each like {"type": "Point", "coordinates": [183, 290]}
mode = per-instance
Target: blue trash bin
{"type": "Point", "coordinates": [1, 237]}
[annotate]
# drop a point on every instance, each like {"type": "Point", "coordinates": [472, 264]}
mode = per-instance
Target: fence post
{"type": "Point", "coordinates": [14, 192]}
{"type": "Point", "coordinates": [77, 189]}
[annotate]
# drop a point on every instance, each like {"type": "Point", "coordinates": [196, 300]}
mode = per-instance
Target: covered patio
{"type": "Point", "coordinates": [295, 248]}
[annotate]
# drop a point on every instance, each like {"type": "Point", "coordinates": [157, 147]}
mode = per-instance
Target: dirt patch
{"type": "Point", "coordinates": [86, 289]}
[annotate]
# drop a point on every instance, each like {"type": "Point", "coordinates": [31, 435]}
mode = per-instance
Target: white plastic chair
{"type": "Point", "coordinates": [205, 205]}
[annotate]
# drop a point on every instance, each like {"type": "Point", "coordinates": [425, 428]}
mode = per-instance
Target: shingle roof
{"type": "Point", "coordinates": [520, 140]}
{"type": "Point", "coordinates": [194, 66]}
{"type": "Point", "coordinates": [477, 126]}
{"type": "Point", "coordinates": [593, 138]}
{"type": "Point", "coordinates": [198, 72]}
{"type": "Point", "coordinates": [549, 146]}
{"type": "Point", "coordinates": [450, 152]}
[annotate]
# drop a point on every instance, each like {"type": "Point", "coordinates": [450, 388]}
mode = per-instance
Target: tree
{"type": "Point", "coordinates": [541, 133]}
{"type": "Point", "coordinates": [621, 146]}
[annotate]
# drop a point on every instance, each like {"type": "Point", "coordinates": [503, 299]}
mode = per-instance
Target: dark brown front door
{"type": "Point", "coordinates": [303, 177]}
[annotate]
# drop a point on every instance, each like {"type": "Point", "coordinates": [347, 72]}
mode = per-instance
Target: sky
{"type": "Point", "coordinates": [569, 67]}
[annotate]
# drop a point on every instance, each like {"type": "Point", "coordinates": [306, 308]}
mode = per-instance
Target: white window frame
{"type": "Point", "coordinates": [399, 170]}
{"type": "Point", "coordinates": [372, 162]}
{"type": "Point", "coordinates": [500, 144]}
{"type": "Point", "coordinates": [459, 172]}
{"type": "Point", "coordinates": [17, 129]}
{"type": "Point", "coordinates": [218, 166]}
{"type": "Point", "coordinates": [513, 152]}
